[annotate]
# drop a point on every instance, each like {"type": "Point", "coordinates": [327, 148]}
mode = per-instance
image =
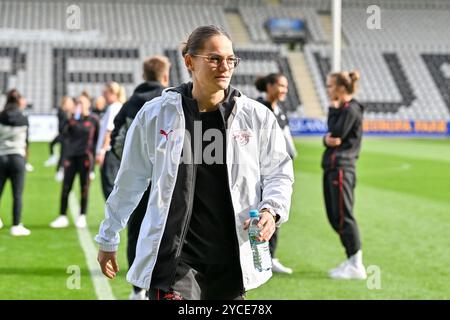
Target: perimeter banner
{"type": "Point", "coordinates": [307, 126]}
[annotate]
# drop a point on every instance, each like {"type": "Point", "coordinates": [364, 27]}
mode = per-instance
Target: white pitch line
{"type": "Point", "coordinates": [100, 282]}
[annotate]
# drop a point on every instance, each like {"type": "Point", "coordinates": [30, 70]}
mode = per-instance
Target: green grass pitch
{"type": "Point", "coordinates": [402, 207]}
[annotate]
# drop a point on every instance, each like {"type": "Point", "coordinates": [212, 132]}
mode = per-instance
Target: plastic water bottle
{"type": "Point", "coordinates": [261, 252]}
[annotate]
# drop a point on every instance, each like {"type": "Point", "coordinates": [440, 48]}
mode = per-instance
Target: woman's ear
{"type": "Point", "coordinates": [270, 89]}
{"type": "Point", "coordinates": [188, 62]}
{"type": "Point", "coordinates": [341, 91]}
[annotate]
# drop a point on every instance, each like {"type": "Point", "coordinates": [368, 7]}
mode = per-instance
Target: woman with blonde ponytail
{"type": "Point", "coordinates": [343, 143]}
{"type": "Point", "coordinates": [115, 97]}
{"type": "Point", "coordinates": [121, 95]}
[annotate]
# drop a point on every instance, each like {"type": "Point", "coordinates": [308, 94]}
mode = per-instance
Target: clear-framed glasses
{"type": "Point", "coordinates": [216, 60]}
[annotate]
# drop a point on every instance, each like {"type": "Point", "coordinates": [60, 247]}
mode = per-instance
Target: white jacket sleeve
{"type": "Point", "coordinates": [277, 174]}
{"type": "Point", "coordinates": [131, 182]}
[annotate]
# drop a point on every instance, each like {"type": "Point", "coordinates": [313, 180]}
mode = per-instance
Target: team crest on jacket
{"type": "Point", "coordinates": [242, 137]}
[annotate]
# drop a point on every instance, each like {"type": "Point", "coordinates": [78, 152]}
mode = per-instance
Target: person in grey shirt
{"type": "Point", "coordinates": [13, 152]}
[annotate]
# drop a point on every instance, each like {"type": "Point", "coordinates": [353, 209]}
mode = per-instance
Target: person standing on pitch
{"type": "Point", "coordinates": [156, 72]}
{"type": "Point", "coordinates": [99, 107]}
{"type": "Point", "coordinates": [13, 153]}
{"type": "Point", "coordinates": [343, 143]}
{"type": "Point", "coordinates": [81, 134]}
{"type": "Point", "coordinates": [275, 86]}
{"type": "Point", "coordinates": [65, 111]}
{"type": "Point", "coordinates": [193, 242]}
{"type": "Point", "coordinates": [99, 110]}
{"type": "Point", "coordinates": [114, 95]}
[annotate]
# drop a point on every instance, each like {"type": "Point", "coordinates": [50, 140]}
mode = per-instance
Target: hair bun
{"type": "Point", "coordinates": [354, 75]}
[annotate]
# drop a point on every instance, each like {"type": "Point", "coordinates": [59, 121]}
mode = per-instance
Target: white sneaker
{"type": "Point", "coordinates": [1, 223]}
{"type": "Point", "coordinates": [59, 175]}
{"type": "Point", "coordinates": [52, 161]}
{"type": "Point", "coordinates": [349, 272]}
{"type": "Point", "coordinates": [60, 222]}
{"type": "Point", "coordinates": [140, 295]}
{"type": "Point", "coordinates": [81, 221]}
{"type": "Point", "coordinates": [278, 267]}
{"type": "Point", "coordinates": [353, 268]}
{"type": "Point", "coordinates": [92, 175]}
{"type": "Point", "coordinates": [20, 231]}
{"type": "Point", "coordinates": [338, 268]}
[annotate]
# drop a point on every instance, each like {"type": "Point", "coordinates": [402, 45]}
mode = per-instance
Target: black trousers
{"type": "Point", "coordinates": [338, 186]}
{"type": "Point", "coordinates": [12, 167]}
{"type": "Point", "coordinates": [134, 226]}
{"type": "Point", "coordinates": [108, 172]}
{"type": "Point", "coordinates": [73, 165]}
{"type": "Point", "coordinates": [194, 281]}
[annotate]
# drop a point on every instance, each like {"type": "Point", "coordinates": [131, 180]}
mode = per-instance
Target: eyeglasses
{"type": "Point", "coordinates": [217, 60]}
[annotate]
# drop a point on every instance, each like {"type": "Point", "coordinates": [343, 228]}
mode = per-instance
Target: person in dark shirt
{"type": "Point", "coordinates": [65, 111]}
{"type": "Point", "coordinates": [156, 71]}
{"type": "Point", "coordinates": [343, 143]}
{"type": "Point", "coordinates": [275, 86]}
{"type": "Point", "coordinates": [99, 108]}
{"type": "Point", "coordinates": [13, 153]}
{"type": "Point", "coordinates": [115, 96]}
{"type": "Point", "coordinates": [81, 134]}
{"type": "Point", "coordinates": [211, 233]}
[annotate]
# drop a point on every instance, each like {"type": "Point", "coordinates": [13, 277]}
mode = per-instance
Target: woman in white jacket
{"type": "Point", "coordinates": [211, 155]}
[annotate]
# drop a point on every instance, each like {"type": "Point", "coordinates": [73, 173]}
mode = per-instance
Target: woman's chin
{"type": "Point", "coordinates": [222, 85]}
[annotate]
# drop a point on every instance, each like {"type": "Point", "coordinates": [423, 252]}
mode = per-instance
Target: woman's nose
{"type": "Point", "coordinates": [224, 66]}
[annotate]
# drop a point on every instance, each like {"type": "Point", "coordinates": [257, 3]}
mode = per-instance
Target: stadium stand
{"type": "Point", "coordinates": [255, 17]}
{"type": "Point", "coordinates": [404, 66]}
{"type": "Point", "coordinates": [402, 63]}
{"type": "Point", "coordinates": [386, 88]}
{"type": "Point", "coordinates": [108, 48]}
{"type": "Point", "coordinates": [386, 4]}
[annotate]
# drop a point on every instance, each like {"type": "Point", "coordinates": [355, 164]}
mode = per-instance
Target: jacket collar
{"type": "Point", "coordinates": [227, 107]}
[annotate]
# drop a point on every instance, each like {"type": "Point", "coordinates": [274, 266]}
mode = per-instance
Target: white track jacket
{"type": "Point", "coordinates": [260, 175]}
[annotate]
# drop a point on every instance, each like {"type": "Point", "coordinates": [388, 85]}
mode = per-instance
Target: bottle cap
{"type": "Point", "coordinates": [254, 213]}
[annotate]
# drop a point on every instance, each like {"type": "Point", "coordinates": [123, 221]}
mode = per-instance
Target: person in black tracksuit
{"type": "Point", "coordinates": [156, 73]}
{"type": "Point", "coordinates": [13, 152]}
{"type": "Point", "coordinates": [275, 85]}
{"type": "Point", "coordinates": [81, 134]}
{"type": "Point", "coordinates": [99, 110]}
{"type": "Point", "coordinates": [64, 113]}
{"type": "Point", "coordinates": [343, 143]}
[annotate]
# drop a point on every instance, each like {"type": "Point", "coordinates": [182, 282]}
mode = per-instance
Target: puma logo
{"type": "Point", "coordinates": [165, 134]}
